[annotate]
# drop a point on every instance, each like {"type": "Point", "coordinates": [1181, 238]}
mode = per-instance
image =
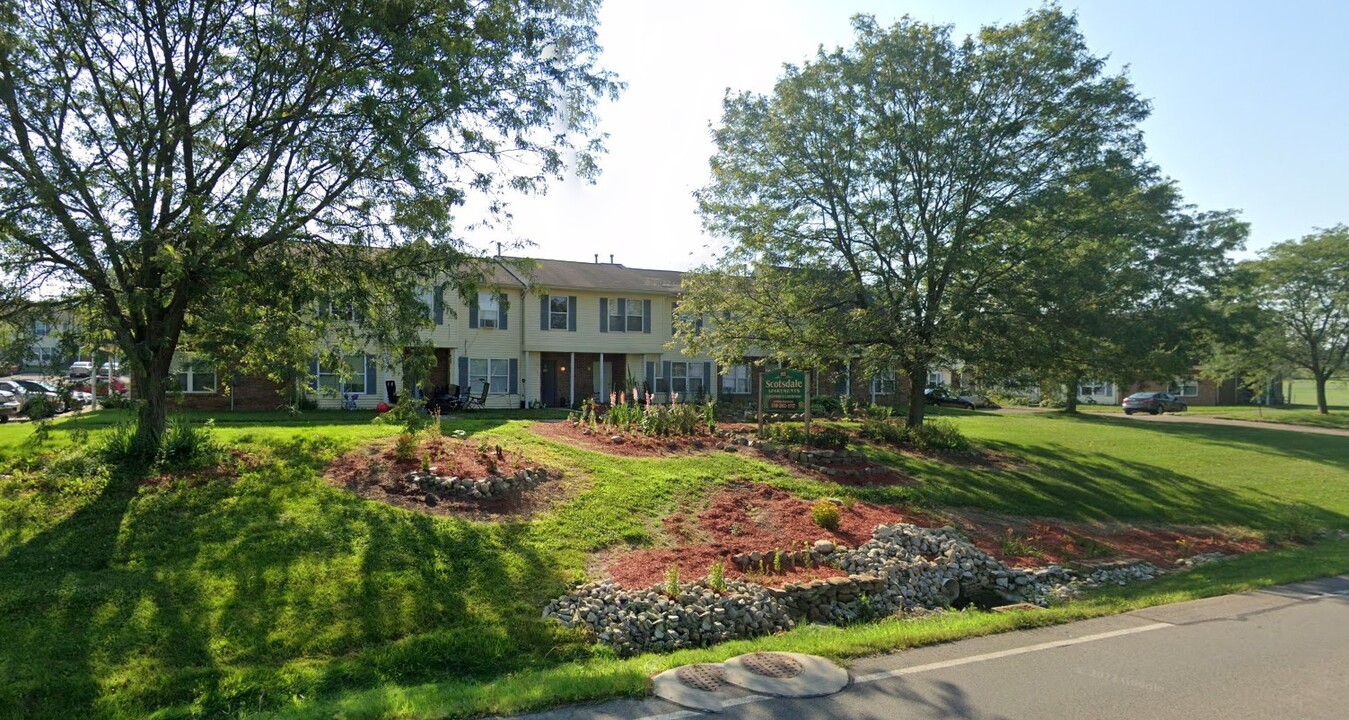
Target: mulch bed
{"type": "Point", "coordinates": [632, 445]}
{"type": "Point", "coordinates": [748, 518]}
{"type": "Point", "coordinates": [376, 473]}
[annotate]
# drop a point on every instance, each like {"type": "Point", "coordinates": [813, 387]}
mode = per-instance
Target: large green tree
{"type": "Point", "coordinates": [1300, 290]}
{"type": "Point", "coordinates": [170, 159]}
{"type": "Point", "coordinates": [1122, 289]}
{"type": "Point", "coordinates": [871, 195]}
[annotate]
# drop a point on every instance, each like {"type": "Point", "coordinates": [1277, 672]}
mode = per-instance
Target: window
{"type": "Point", "coordinates": [350, 379]}
{"type": "Point", "coordinates": [489, 308]}
{"type": "Point", "coordinates": [557, 312]}
{"type": "Point", "coordinates": [634, 315]}
{"type": "Point", "coordinates": [935, 379]}
{"type": "Point", "coordinates": [41, 328]}
{"type": "Point", "coordinates": [686, 378]}
{"type": "Point", "coordinates": [1096, 388]}
{"type": "Point", "coordinates": [1184, 387]}
{"type": "Point", "coordinates": [189, 376]}
{"type": "Point", "coordinates": [883, 384]}
{"type": "Point", "coordinates": [495, 372]}
{"type": "Point", "coordinates": [735, 380]}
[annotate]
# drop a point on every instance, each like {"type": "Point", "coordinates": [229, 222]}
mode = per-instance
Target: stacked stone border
{"type": "Point", "coordinates": [480, 488]}
{"type": "Point", "coordinates": [902, 568]}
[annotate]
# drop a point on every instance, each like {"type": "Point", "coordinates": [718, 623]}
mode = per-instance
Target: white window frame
{"type": "Point", "coordinates": [1096, 388]}
{"type": "Point", "coordinates": [883, 384]}
{"type": "Point", "coordinates": [735, 380]}
{"type": "Point", "coordinates": [494, 371]}
{"type": "Point", "coordinates": [489, 310]}
{"type": "Point", "coordinates": [936, 378]}
{"type": "Point", "coordinates": [555, 315]}
{"type": "Point", "coordinates": [349, 385]}
{"type": "Point", "coordinates": [635, 312]}
{"type": "Point", "coordinates": [1180, 387]}
{"type": "Point", "coordinates": [183, 365]}
{"type": "Point", "coordinates": [617, 323]}
{"type": "Point", "coordinates": [683, 383]}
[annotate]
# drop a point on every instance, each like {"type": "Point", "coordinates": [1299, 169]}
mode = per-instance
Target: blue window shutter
{"type": "Point", "coordinates": [571, 313]}
{"type": "Point", "coordinates": [707, 379]}
{"type": "Point", "coordinates": [463, 372]}
{"type": "Point", "coordinates": [515, 377]}
{"type": "Point", "coordinates": [665, 376]}
{"type": "Point", "coordinates": [370, 374]}
{"type": "Point", "coordinates": [544, 312]}
{"type": "Point", "coordinates": [314, 371]}
{"type": "Point", "coordinates": [698, 325]}
{"type": "Point", "coordinates": [473, 312]}
{"type": "Point", "coordinates": [646, 316]}
{"type": "Point", "coordinates": [438, 304]}
{"type": "Point", "coordinates": [623, 315]}
{"type": "Point", "coordinates": [650, 376]}
{"type": "Point", "coordinates": [503, 310]}
{"type": "Point", "coordinates": [604, 314]}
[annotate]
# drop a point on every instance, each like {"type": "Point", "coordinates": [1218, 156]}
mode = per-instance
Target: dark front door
{"type": "Point", "coordinates": [548, 381]}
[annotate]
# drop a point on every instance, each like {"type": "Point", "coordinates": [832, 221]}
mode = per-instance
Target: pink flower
{"type": "Point", "coordinates": [674, 398]}
{"type": "Point", "coordinates": [612, 399]}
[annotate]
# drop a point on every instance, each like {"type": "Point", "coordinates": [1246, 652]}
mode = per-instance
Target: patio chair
{"type": "Point", "coordinates": [391, 391]}
{"type": "Point", "coordinates": [477, 402]}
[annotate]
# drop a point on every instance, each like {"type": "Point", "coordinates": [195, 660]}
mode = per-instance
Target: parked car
{"type": "Point", "coordinates": [54, 394]}
{"type": "Point", "coordinates": [114, 367]}
{"type": "Point", "coordinates": [1153, 403]}
{"type": "Point", "coordinates": [81, 369]}
{"type": "Point", "coordinates": [980, 401]}
{"type": "Point", "coordinates": [942, 396]}
{"type": "Point", "coordinates": [17, 391]}
{"type": "Point", "coordinates": [9, 405]}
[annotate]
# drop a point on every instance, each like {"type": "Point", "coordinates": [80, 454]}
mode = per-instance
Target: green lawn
{"type": "Point", "coordinates": [275, 592]}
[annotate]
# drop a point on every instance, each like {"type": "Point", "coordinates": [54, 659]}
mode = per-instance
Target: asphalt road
{"type": "Point", "coordinates": [1277, 653]}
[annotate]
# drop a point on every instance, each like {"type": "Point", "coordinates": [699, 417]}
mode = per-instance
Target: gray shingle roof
{"type": "Point", "coordinates": [570, 275]}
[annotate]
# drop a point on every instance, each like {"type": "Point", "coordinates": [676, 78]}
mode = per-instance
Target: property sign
{"type": "Point", "coordinates": [784, 390]}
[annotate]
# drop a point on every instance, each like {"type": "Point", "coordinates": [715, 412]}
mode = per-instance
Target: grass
{"type": "Point", "coordinates": [276, 593]}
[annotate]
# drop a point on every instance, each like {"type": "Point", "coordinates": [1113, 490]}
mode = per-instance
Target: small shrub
{"type": "Point", "coordinates": [42, 430]}
{"type": "Point", "coordinates": [786, 433]}
{"type": "Point", "coordinates": [878, 412]}
{"type": "Point", "coordinates": [405, 446]}
{"type": "Point", "coordinates": [825, 514]}
{"type": "Point", "coordinates": [189, 447]}
{"type": "Point", "coordinates": [824, 405]}
{"type": "Point", "coordinates": [888, 432]}
{"type": "Point", "coordinates": [777, 561]}
{"type": "Point", "coordinates": [426, 462]}
{"type": "Point", "coordinates": [672, 581]}
{"type": "Point", "coordinates": [118, 445]}
{"type": "Point", "coordinates": [114, 401]}
{"type": "Point", "coordinates": [1012, 545]}
{"type": "Point", "coordinates": [938, 435]}
{"type": "Point", "coordinates": [406, 412]}
{"type": "Point", "coordinates": [828, 438]}
{"type": "Point", "coordinates": [716, 577]}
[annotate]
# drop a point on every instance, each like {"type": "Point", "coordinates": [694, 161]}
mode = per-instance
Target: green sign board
{"type": "Point", "coordinates": [784, 390]}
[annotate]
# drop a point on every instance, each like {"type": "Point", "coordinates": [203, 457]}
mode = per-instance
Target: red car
{"type": "Point", "coordinates": [1153, 403]}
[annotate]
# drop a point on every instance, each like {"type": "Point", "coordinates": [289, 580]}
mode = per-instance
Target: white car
{"type": "Point", "coordinates": [9, 405]}
{"type": "Point", "coordinates": [114, 367]}
{"type": "Point", "coordinates": [81, 369]}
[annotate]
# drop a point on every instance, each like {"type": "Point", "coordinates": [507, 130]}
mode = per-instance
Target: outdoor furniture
{"type": "Point", "coordinates": [391, 391]}
{"type": "Point", "coordinates": [349, 401]}
{"type": "Point", "coordinates": [477, 402]}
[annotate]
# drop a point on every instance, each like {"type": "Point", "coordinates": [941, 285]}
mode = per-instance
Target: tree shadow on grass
{"type": "Point", "coordinates": [1068, 484]}
{"type": "Point", "coordinates": [241, 593]}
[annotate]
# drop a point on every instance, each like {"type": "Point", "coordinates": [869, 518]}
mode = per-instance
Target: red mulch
{"type": "Point", "coordinates": [746, 518]}
{"type": "Point", "coordinates": [633, 444]}
{"type": "Point", "coordinates": [749, 518]}
{"type": "Point", "coordinates": [1041, 541]}
{"type": "Point", "coordinates": [377, 474]}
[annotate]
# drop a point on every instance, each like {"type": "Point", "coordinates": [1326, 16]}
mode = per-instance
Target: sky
{"type": "Point", "coordinates": [1250, 109]}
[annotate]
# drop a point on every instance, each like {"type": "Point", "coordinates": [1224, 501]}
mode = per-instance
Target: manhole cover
{"type": "Point", "coordinates": [773, 665]}
{"type": "Point", "coordinates": [708, 676]}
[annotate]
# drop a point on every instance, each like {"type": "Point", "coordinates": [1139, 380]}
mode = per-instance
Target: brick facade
{"type": "Point", "coordinates": [249, 393]}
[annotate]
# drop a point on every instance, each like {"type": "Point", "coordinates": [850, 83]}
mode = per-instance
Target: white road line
{"type": "Point", "coordinates": [873, 677]}
{"type": "Point", "coordinates": [1009, 653]}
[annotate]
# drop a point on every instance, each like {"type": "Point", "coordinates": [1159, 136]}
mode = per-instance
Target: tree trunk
{"type": "Point", "coordinates": [1321, 406]}
{"type": "Point", "coordinates": [1071, 406]}
{"type": "Point", "coordinates": [150, 380]}
{"type": "Point", "coordinates": [917, 384]}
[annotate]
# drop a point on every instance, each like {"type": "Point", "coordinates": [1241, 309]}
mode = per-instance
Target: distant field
{"type": "Point", "coordinates": [1303, 392]}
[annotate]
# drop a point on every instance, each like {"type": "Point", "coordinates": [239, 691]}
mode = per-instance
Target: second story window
{"type": "Point", "coordinates": [634, 315]}
{"type": "Point", "coordinates": [558, 309]}
{"type": "Point", "coordinates": [489, 310]}
{"type": "Point", "coordinates": [616, 321]}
